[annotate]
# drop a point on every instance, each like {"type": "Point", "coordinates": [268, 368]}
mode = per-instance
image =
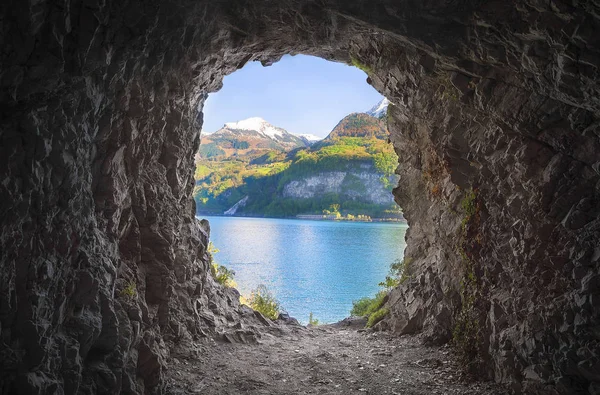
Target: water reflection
{"type": "Point", "coordinates": [309, 266]}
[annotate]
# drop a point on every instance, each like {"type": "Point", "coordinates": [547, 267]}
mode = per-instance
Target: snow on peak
{"type": "Point", "coordinates": [254, 123]}
{"type": "Point", "coordinates": [379, 109]}
{"type": "Point", "coordinates": [310, 137]}
{"type": "Point", "coordinates": [257, 124]}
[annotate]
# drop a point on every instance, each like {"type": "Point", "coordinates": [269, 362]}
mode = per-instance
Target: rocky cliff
{"type": "Point", "coordinates": [355, 184]}
{"type": "Point", "coordinates": [495, 120]}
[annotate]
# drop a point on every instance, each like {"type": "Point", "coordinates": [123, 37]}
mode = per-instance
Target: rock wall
{"type": "Point", "coordinates": [503, 176]}
{"type": "Point", "coordinates": [495, 121]}
{"type": "Point", "coordinates": [362, 184]}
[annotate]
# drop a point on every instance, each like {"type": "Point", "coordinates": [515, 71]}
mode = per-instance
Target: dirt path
{"type": "Point", "coordinates": [321, 360]}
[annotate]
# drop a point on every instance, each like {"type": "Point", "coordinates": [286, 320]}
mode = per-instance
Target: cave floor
{"type": "Point", "coordinates": [320, 360]}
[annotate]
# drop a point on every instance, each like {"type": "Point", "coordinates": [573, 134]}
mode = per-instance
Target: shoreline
{"type": "Point", "coordinates": [378, 220]}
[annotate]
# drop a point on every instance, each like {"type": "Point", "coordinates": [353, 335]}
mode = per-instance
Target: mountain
{"type": "Point", "coordinates": [359, 125]}
{"type": "Point", "coordinates": [351, 170]}
{"type": "Point", "coordinates": [309, 139]}
{"type": "Point", "coordinates": [380, 109]}
{"type": "Point", "coordinates": [249, 136]}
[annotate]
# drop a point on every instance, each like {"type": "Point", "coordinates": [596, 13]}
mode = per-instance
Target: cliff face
{"type": "Point", "coordinates": [357, 184]}
{"type": "Point", "coordinates": [495, 121]}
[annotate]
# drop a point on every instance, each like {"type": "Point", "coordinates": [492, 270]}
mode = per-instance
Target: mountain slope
{"type": "Point", "coordinates": [380, 109]}
{"type": "Point", "coordinates": [355, 173]}
{"type": "Point", "coordinates": [309, 139]}
{"type": "Point", "coordinates": [252, 135]}
{"type": "Point", "coordinates": [352, 168]}
{"type": "Point", "coordinates": [252, 168]}
{"type": "Point", "coordinates": [359, 125]}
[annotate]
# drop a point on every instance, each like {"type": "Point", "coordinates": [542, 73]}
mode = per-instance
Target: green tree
{"type": "Point", "coordinates": [385, 162]}
{"type": "Point", "coordinates": [400, 271]}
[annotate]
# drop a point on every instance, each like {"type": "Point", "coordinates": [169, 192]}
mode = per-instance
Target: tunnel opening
{"type": "Point", "coordinates": [326, 156]}
{"type": "Point", "coordinates": [103, 274]}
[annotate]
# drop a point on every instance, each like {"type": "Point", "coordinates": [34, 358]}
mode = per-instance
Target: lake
{"type": "Point", "coordinates": [309, 266]}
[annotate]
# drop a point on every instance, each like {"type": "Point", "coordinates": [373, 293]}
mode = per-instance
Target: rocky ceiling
{"type": "Point", "coordinates": [495, 120]}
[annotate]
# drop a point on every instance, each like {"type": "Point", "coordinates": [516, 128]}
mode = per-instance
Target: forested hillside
{"type": "Point", "coordinates": [351, 171]}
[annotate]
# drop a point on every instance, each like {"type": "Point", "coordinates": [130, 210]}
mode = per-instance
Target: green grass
{"type": "Point", "coordinates": [259, 172]}
{"type": "Point", "coordinates": [377, 316]}
{"type": "Point", "coordinates": [469, 206]}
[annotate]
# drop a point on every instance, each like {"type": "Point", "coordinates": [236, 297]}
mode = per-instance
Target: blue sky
{"type": "Point", "coordinates": [302, 94]}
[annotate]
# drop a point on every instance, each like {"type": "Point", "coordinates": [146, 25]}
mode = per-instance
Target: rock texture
{"type": "Point", "coordinates": [362, 184]}
{"type": "Point", "coordinates": [327, 359]}
{"type": "Point", "coordinates": [495, 120]}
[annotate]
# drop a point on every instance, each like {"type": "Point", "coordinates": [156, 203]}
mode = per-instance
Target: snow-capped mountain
{"type": "Point", "coordinates": [380, 109]}
{"type": "Point", "coordinates": [258, 125]}
{"type": "Point", "coordinates": [252, 134]}
{"type": "Point", "coordinates": [309, 139]}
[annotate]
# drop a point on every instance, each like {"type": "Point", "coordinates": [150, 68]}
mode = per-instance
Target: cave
{"type": "Point", "coordinates": [494, 118]}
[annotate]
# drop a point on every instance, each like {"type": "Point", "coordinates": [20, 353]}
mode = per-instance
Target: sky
{"type": "Point", "coordinates": [302, 94]}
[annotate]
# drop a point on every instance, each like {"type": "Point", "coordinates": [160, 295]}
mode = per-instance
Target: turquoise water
{"type": "Point", "coordinates": [310, 266]}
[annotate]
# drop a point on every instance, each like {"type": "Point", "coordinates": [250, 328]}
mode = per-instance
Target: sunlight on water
{"type": "Point", "coordinates": [317, 266]}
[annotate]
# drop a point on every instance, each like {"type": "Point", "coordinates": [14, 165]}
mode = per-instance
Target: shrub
{"type": "Point", "coordinates": [130, 290]}
{"type": "Point", "coordinates": [311, 320]}
{"type": "Point", "coordinates": [400, 271]}
{"type": "Point", "coordinates": [264, 302]}
{"type": "Point", "coordinates": [212, 250]}
{"type": "Point", "coordinates": [372, 308]}
{"type": "Point", "coordinates": [221, 274]}
{"type": "Point", "coordinates": [389, 282]}
{"type": "Point", "coordinates": [377, 316]}
{"type": "Point", "coordinates": [407, 269]}
{"type": "Point", "coordinates": [360, 306]}
{"type": "Point", "coordinates": [367, 306]}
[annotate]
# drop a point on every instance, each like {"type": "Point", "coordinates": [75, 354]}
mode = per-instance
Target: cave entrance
{"type": "Point", "coordinates": [495, 121]}
{"type": "Point", "coordinates": [321, 169]}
